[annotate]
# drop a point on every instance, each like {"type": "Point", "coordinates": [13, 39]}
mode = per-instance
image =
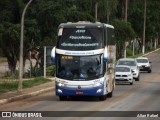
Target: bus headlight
{"type": "Point", "coordinates": [60, 84]}
{"type": "Point", "coordinates": [98, 84]}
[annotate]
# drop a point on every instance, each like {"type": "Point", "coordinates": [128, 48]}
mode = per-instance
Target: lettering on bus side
{"type": "Point", "coordinates": [79, 53]}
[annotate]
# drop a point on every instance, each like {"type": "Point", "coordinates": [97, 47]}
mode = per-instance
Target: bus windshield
{"type": "Point", "coordinates": [79, 67]}
{"type": "Point", "coordinates": [79, 38]}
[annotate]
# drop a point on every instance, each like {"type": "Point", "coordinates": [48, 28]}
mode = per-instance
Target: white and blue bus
{"type": "Point", "coordinates": [84, 56]}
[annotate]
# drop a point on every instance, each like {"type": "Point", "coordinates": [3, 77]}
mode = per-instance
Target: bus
{"type": "Point", "coordinates": [84, 56]}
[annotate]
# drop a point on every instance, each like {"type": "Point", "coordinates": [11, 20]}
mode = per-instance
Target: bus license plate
{"type": "Point", "coordinates": [79, 93]}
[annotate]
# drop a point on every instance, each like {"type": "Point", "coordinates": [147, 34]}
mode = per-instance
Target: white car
{"type": "Point", "coordinates": [123, 73]}
{"type": "Point", "coordinates": [133, 64]}
{"type": "Point", "coordinates": [144, 64]}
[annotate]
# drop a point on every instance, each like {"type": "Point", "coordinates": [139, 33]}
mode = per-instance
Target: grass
{"type": "Point", "coordinates": [129, 52]}
{"type": "Point", "coordinates": [135, 56]}
{"type": "Point", "coordinates": [13, 86]}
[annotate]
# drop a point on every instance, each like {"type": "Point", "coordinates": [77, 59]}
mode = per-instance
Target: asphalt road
{"type": "Point", "coordinates": [143, 95]}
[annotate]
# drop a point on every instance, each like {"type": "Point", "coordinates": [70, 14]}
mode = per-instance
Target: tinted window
{"type": "Point", "coordinates": [80, 38]}
{"type": "Point", "coordinates": [129, 63]}
{"type": "Point", "coordinates": [142, 60]}
{"type": "Point", "coordinates": [79, 68]}
{"type": "Point", "coordinates": [122, 69]}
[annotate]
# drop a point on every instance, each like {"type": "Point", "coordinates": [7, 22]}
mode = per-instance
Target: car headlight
{"type": "Point", "coordinates": [147, 65]}
{"type": "Point", "coordinates": [134, 71]}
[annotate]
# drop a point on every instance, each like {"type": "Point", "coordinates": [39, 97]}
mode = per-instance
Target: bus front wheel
{"type": "Point", "coordinates": [110, 94]}
{"type": "Point", "coordinates": [103, 97]}
{"type": "Point", "coordinates": [62, 98]}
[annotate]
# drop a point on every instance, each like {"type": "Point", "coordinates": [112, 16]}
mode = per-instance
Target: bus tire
{"type": "Point", "coordinates": [104, 97]}
{"type": "Point", "coordinates": [110, 94]}
{"type": "Point", "coordinates": [62, 98]}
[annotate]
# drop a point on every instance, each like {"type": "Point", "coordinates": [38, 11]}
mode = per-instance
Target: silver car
{"type": "Point", "coordinates": [133, 64]}
{"type": "Point", "coordinates": [123, 74]}
{"type": "Point", "coordinates": [144, 64]}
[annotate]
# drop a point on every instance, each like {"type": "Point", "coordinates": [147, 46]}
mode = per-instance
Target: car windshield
{"type": "Point", "coordinates": [79, 67]}
{"type": "Point", "coordinates": [142, 60]}
{"type": "Point", "coordinates": [125, 62]}
{"type": "Point", "coordinates": [80, 38]}
{"type": "Point", "coordinates": [122, 69]}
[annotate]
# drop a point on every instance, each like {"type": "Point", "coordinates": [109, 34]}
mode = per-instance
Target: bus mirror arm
{"type": "Point", "coordinates": [53, 55]}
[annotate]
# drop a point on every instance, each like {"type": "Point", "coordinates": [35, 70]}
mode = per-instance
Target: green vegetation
{"type": "Point", "coordinates": [43, 17]}
{"type": "Point", "coordinates": [13, 85]}
{"type": "Point", "coordinates": [130, 54]}
{"type": "Point", "coordinates": [50, 71]}
{"type": "Point", "coordinates": [123, 32]}
{"type": "Point", "coordinates": [36, 71]}
{"type": "Point", "coordinates": [135, 56]}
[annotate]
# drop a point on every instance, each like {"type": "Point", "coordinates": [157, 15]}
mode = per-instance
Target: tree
{"type": "Point", "coordinates": [123, 32]}
{"type": "Point", "coordinates": [10, 31]}
{"type": "Point", "coordinates": [11, 35]}
{"type": "Point", "coordinates": [152, 19]}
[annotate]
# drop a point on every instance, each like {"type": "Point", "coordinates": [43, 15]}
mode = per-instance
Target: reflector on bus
{"type": "Point", "coordinates": [53, 54]}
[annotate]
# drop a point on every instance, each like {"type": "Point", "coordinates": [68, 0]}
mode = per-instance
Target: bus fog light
{"type": "Point", "coordinates": [59, 90]}
{"type": "Point", "coordinates": [99, 90]}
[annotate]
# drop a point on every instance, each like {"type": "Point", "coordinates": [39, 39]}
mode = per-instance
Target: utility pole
{"type": "Point", "coordinates": [45, 61]}
{"type": "Point", "coordinates": [96, 7]}
{"type": "Point", "coordinates": [134, 46]}
{"type": "Point", "coordinates": [144, 27]}
{"type": "Point", "coordinates": [20, 85]}
{"type": "Point", "coordinates": [107, 13]}
{"type": "Point", "coordinates": [126, 9]}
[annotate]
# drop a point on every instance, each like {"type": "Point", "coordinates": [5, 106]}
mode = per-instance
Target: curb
{"type": "Point", "coordinates": [20, 97]}
{"type": "Point", "coordinates": [151, 52]}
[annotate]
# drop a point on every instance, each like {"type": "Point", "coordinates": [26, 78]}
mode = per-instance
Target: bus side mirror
{"type": "Point", "coordinates": [105, 59]}
{"type": "Point", "coordinates": [53, 55]}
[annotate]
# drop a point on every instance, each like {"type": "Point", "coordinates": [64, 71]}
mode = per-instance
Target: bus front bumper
{"type": "Point", "coordinates": [66, 91]}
